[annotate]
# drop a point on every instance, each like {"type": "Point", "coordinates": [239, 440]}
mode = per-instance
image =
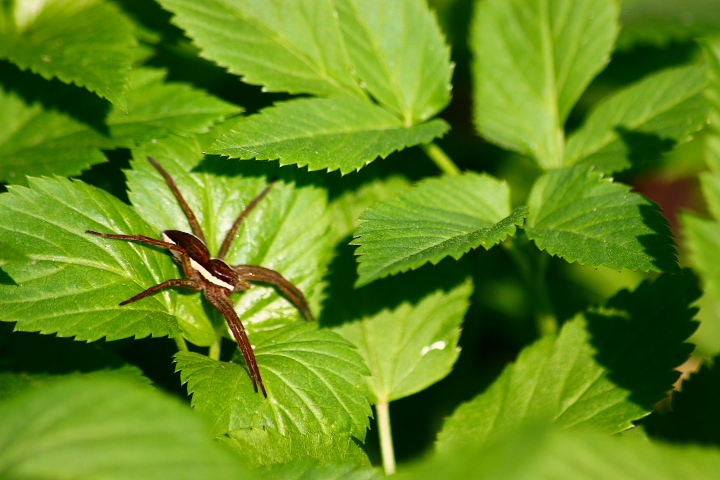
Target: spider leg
{"type": "Point", "coordinates": [177, 282]}
{"type": "Point", "coordinates": [233, 230]}
{"type": "Point", "coordinates": [139, 238]}
{"type": "Point", "coordinates": [225, 306]}
{"type": "Point", "coordinates": [197, 231]}
{"type": "Point", "coordinates": [254, 273]}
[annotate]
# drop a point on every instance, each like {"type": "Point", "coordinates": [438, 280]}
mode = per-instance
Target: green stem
{"type": "Point", "coordinates": [545, 318]}
{"type": "Point", "coordinates": [440, 159]}
{"type": "Point", "coordinates": [180, 342]}
{"type": "Point", "coordinates": [382, 410]}
{"type": "Point", "coordinates": [214, 352]}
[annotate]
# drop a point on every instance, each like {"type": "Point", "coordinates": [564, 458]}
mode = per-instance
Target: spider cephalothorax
{"type": "Point", "coordinates": [213, 276]}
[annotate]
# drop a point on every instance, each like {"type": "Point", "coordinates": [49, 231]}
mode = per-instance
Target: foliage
{"type": "Point", "coordinates": [378, 227]}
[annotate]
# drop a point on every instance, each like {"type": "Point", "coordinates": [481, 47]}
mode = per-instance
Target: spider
{"type": "Point", "coordinates": [213, 276]}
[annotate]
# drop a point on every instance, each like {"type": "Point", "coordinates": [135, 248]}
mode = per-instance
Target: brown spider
{"type": "Point", "coordinates": [213, 276]}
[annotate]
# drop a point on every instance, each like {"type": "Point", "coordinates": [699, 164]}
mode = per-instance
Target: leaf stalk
{"type": "Point", "coordinates": [440, 158]}
{"type": "Point", "coordinates": [382, 410]}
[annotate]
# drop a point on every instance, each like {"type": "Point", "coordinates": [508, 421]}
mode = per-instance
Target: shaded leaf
{"type": "Point", "coordinates": [550, 454]}
{"type": "Point", "coordinates": [604, 370]}
{"type": "Point", "coordinates": [295, 47]}
{"type": "Point", "coordinates": [61, 38]}
{"type": "Point", "coordinates": [73, 282]}
{"type": "Point", "coordinates": [412, 346]}
{"type": "Point", "coordinates": [157, 108]}
{"type": "Point", "coordinates": [332, 134]}
{"type": "Point", "coordinates": [314, 381]}
{"type": "Point", "coordinates": [533, 59]}
{"type": "Point", "coordinates": [693, 418]}
{"type": "Point", "coordinates": [106, 428]}
{"type": "Point", "coordinates": [580, 216]}
{"type": "Point", "coordinates": [439, 217]}
{"type": "Point", "coordinates": [265, 446]}
{"type": "Point", "coordinates": [399, 55]}
{"type": "Point", "coordinates": [37, 139]}
{"type": "Point", "coordinates": [285, 232]}
{"type": "Point", "coordinates": [642, 121]}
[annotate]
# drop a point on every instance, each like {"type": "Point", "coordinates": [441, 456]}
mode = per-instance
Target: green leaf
{"type": "Point", "coordinates": [351, 203]}
{"type": "Point", "coordinates": [314, 381]}
{"type": "Point", "coordinates": [265, 446]}
{"type": "Point", "coordinates": [156, 108]}
{"type": "Point", "coordinates": [412, 346]}
{"type": "Point", "coordinates": [439, 217]}
{"type": "Point", "coordinates": [399, 55]}
{"type": "Point", "coordinates": [86, 42]}
{"type": "Point", "coordinates": [295, 47]}
{"type": "Point", "coordinates": [533, 59]}
{"type": "Point", "coordinates": [603, 370]}
{"type": "Point", "coordinates": [286, 231]}
{"type": "Point", "coordinates": [106, 428]}
{"type": "Point", "coordinates": [703, 242]}
{"type": "Point", "coordinates": [335, 133]}
{"type": "Point", "coordinates": [642, 121]}
{"type": "Point", "coordinates": [580, 216]}
{"type": "Point", "coordinates": [37, 141]}
{"type": "Point", "coordinates": [65, 139]}
{"type": "Point", "coordinates": [542, 453]}
{"type": "Point", "coordinates": [10, 254]}
{"type": "Point", "coordinates": [73, 282]}
{"type": "Point", "coordinates": [692, 418]}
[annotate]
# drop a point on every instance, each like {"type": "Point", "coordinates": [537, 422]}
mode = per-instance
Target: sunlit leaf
{"type": "Point", "coordinates": [439, 217]}
{"type": "Point", "coordinates": [604, 369]}
{"type": "Point", "coordinates": [283, 46]}
{"type": "Point", "coordinates": [532, 61]}
{"type": "Point", "coordinates": [399, 55]}
{"type": "Point", "coordinates": [642, 121]}
{"type": "Point", "coordinates": [332, 134]}
{"type": "Point", "coordinates": [580, 216]}
{"type": "Point", "coordinates": [412, 346]}
{"type": "Point", "coordinates": [86, 42]}
{"type": "Point", "coordinates": [313, 377]}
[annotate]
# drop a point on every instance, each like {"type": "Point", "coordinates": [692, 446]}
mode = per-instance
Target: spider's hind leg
{"type": "Point", "coordinates": [254, 273]}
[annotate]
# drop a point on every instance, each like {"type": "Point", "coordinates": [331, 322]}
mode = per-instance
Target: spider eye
{"type": "Point", "coordinates": [221, 270]}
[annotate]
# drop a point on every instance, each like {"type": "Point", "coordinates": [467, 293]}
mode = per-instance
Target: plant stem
{"type": "Point", "coordinates": [544, 314]}
{"type": "Point", "coordinates": [180, 342]}
{"type": "Point", "coordinates": [214, 352]}
{"type": "Point", "coordinates": [440, 159]}
{"type": "Point", "coordinates": [382, 410]}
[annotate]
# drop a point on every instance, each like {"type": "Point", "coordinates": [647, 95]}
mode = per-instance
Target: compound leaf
{"type": "Point", "coordinates": [295, 47]}
{"type": "Point", "coordinates": [95, 427]}
{"type": "Point", "coordinates": [314, 381]}
{"type": "Point", "coordinates": [604, 369]}
{"type": "Point", "coordinates": [642, 121]}
{"type": "Point", "coordinates": [533, 59]}
{"type": "Point", "coordinates": [399, 55]}
{"type": "Point", "coordinates": [439, 217]}
{"type": "Point", "coordinates": [332, 134]}
{"type": "Point", "coordinates": [411, 346]}
{"type": "Point", "coordinates": [73, 282]}
{"type": "Point", "coordinates": [580, 216]}
{"type": "Point", "coordinates": [86, 42]}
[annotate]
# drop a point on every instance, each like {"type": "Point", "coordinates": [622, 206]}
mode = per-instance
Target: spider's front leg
{"type": "Point", "coordinates": [139, 238]}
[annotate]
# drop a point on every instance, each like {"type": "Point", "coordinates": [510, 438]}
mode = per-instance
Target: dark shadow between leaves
{"type": "Point", "coordinates": [639, 336]}
{"type": "Point", "coordinates": [345, 303]}
{"type": "Point", "coordinates": [643, 148]}
{"type": "Point", "coordinates": [694, 417]}
{"type": "Point", "coordinates": [660, 246]}
{"type": "Point", "coordinates": [79, 103]}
